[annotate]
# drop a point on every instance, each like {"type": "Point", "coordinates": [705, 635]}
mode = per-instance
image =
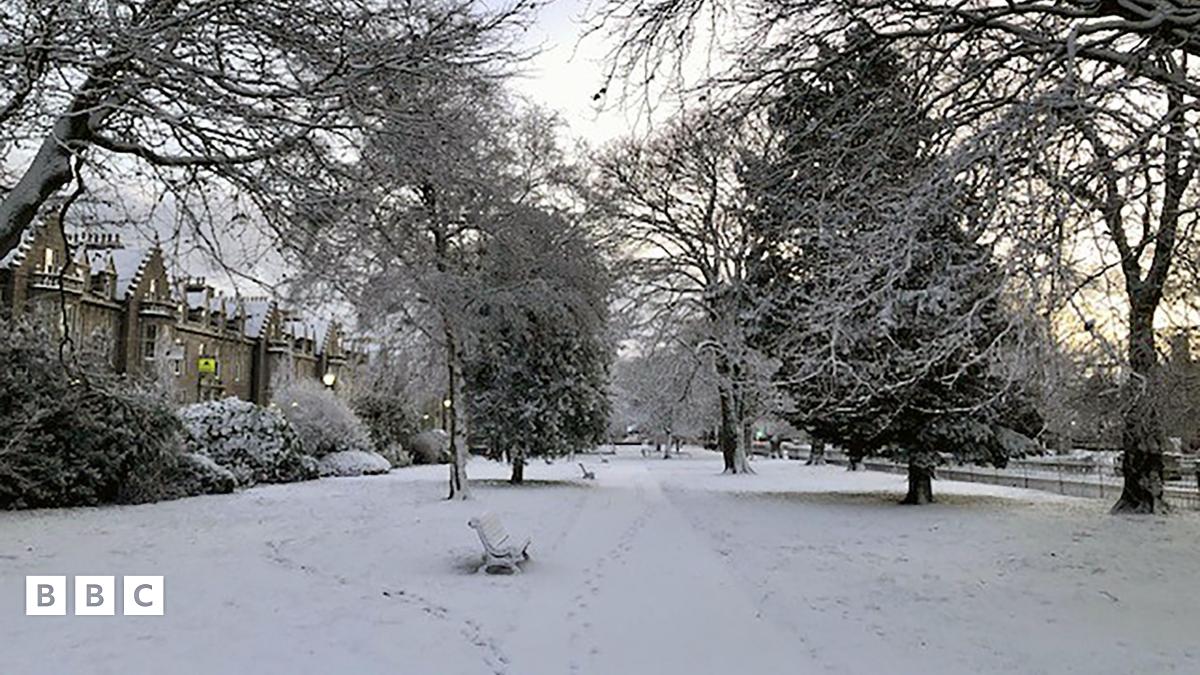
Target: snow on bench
{"type": "Point", "coordinates": [501, 552]}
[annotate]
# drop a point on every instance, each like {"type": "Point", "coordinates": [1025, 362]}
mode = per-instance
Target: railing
{"type": "Point", "coordinates": [1072, 478]}
{"type": "Point", "coordinates": [50, 281]}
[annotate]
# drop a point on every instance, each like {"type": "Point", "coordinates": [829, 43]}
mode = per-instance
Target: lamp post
{"type": "Point", "coordinates": [446, 403]}
{"type": "Point", "coordinates": [329, 378]}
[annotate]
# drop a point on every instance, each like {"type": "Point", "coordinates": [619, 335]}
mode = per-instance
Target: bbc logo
{"type": "Point", "coordinates": [94, 596]}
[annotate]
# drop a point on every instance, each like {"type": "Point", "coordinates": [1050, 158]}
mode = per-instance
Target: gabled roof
{"type": "Point", "coordinates": [17, 255]}
{"type": "Point", "coordinates": [130, 264]}
{"type": "Point", "coordinates": [257, 311]}
{"type": "Point", "coordinates": [321, 329]}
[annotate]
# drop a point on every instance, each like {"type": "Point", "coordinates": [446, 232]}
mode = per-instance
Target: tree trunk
{"type": "Point", "coordinates": [1142, 436]}
{"type": "Point", "coordinates": [727, 432]}
{"type": "Point", "coordinates": [741, 454]}
{"type": "Point", "coordinates": [920, 479]}
{"type": "Point", "coordinates": [460, 488]}
{"type": "Point", "coordinates": [816, 453]}
{"type": "Point", "coordinates": [518, 467]}
{"type": "Point", "coordinates": [854, 456]}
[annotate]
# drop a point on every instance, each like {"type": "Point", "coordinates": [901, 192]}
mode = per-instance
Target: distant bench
{"type": "Point", "coordinates": [501, 552]}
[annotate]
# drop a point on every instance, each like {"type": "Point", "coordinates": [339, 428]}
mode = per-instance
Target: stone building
{"type": "Point", "coordinates": [203, 344]}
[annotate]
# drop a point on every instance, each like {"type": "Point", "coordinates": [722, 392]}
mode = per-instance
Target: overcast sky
{"type": "Point", "coordinates": [569, 71]}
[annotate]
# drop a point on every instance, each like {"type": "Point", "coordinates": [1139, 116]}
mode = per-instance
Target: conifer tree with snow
{"type": "Point", "coordinates": [887, 314]}
{"type": "Point", "coordinates": [538, 370]}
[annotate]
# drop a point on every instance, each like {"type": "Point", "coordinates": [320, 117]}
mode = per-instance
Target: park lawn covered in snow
{"type": "Point", "coordinates": [655, 567]}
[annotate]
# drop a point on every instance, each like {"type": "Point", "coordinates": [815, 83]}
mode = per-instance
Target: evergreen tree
{"type": "Point", "coordinates": [886, 313]}
{"type": "Point", "coordinates": [538, 369]}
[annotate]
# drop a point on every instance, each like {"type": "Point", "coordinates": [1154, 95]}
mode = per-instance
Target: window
{"type": "Point", "coordinates": [153, 290]}
{"type": "Point", "coordinates": [48, 262]}
{"type": "Point", "coordinates": [149, 341]}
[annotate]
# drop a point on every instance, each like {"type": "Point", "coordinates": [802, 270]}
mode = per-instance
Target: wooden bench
{"type": "Point", "coordinates": [501, 552]}
{"type": "Point", "coordinates": [587, 475]}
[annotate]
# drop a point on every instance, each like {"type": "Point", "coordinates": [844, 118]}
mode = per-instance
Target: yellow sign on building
{"type": "Point", "coordinates": [206, 365]}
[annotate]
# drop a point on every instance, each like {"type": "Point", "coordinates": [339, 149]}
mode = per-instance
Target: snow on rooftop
{"type": "Point", "coordinates": [18, 253]}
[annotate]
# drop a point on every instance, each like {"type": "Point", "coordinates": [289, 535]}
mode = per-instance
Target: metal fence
{"type": "Point", "coordinates": [1065, 478]}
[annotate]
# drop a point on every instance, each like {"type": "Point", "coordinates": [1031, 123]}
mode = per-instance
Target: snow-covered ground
{"type": "Point", "coordinates": [657, 567]}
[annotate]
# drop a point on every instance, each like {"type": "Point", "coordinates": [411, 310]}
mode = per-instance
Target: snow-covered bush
{"type": "Point", "coordinates": [323, 421]}
{"type": "Point", "coordinates": [256, 444]}
{"type": "Point", "coordinates": [430, 447]}
{"type": "Point", "coordinates": [397, 456]}
{"type": "Point", "coordinates": [196, 474]}
{"type": "Point", "coordinates": [78, 434]}
{"type": "Point", "coordinates": [353, 463]}
{"type": "Point", "coordinates": [384, 409]}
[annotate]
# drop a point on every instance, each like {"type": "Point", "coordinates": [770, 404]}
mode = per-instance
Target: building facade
{"type": "Point", "coordinates": [202, 344]}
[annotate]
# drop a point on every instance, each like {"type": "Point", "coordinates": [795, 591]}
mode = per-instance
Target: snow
{"type": "Point", "coordinates": [16, 255]}
{"type": "Point", "coordinates": [353, 463]}
{"type": "Point", "coordinates": [657, 566]}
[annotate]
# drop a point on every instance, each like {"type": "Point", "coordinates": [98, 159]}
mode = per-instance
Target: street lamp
{"type": "Point", "coordinates": [329, 378]}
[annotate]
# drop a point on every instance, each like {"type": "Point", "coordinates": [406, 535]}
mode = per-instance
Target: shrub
{"type": "Point", "coordinates": [257, 445]}
{"type": "Point", "coordinates": [78, 435]}
{"type": "Point", "coordinates": [195, 474]}
{"type": "Point", "coordinates": [397, 456]}
{"type": "Point", "coordinates": [430, 447]}
{"type": "Point", "coordinates": [385, 413]}
{"type": "Point", "coordinates": [353, 463]}
{"type": "Point", "coordinates": [323, 421]}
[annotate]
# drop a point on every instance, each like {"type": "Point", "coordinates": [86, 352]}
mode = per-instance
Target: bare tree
{"type": "Point", "coordinates": [668, 392]}
{"type": "Point", "coordinates": [250, 94]}
{"type": "Point", "coordinates": [405, 233]}
{"type": "Point", "coordinates": [1086, 107]}
{"type": "Point", "coordinates": [676, 200]}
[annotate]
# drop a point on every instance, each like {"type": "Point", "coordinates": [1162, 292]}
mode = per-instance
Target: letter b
{"type": "Point", "coordinates": [45, 596]}
{"type": "Point", "coordinates": [95, 596]}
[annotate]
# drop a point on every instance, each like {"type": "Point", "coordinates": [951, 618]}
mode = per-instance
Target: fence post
{"type": "Point", "coordinates": [1058, 470]}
